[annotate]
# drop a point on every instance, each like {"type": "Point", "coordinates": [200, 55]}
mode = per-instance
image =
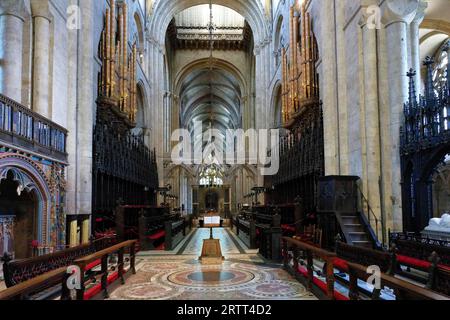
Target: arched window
{"type": "Point", "coordinates": [278, 41]}
{"type": "Point", "coordinates": [440, 68]}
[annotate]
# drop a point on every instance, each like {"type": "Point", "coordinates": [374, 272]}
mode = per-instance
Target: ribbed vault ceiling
{"type": "Point", "coordinates": [213, 97]}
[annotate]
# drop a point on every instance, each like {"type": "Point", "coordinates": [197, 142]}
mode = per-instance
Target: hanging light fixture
{"type": "Point", "coordinates": [211, 28]}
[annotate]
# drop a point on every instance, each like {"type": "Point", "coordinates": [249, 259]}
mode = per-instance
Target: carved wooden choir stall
{"type": "Point", "coordinates": [302, 147]}
{"type": "Point", "coordinates": [124, 169]}
{"type": "Point", "coordinates": [155, 227]}
{"type": "Point", "coordinates": [425, 144]}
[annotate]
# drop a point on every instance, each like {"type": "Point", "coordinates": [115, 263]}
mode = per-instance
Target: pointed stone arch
{"type": "Point", "coordinates": [31, 178]}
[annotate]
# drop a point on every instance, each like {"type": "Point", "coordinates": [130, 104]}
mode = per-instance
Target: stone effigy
{"type": "Point", "coordinates": [438, 228]}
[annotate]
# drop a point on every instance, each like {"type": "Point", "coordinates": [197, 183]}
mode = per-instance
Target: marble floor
{"type": "Point", "coordinates": [243, 275]}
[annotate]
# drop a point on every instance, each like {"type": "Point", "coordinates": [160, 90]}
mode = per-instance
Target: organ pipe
{"type": "Point", "coordinates": [300, 87]}
{"type": "Point", "coordinates": [118, 75]}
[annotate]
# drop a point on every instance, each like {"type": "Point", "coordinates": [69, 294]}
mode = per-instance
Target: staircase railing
{"type": "Point", "coordinates": [371, 218]}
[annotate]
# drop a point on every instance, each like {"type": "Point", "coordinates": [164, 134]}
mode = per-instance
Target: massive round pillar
{"type": "Point", "coordinates": [11, 33]}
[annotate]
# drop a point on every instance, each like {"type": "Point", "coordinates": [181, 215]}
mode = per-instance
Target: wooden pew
{"type": "Point", "coordinates": [246, 231]}
{"type": "Point", "coordinates": [403, 290]}
{"type": "Point", "coordinates": [414, 251]}
{"type": "Point", "coordinates": [154, 227]}
{"type": "Point", "coordinates": [175, 233]}
{"type": "Point", "coordinates": [364, 256]}
{"type": "Point", "coordinates": [440, 280]}
{"type": "Point", "coordinates": [107, 278]}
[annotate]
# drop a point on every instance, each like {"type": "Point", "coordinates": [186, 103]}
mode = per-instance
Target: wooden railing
{"type": "Point", "coordinates": [311, 252]}
{"type": "Point", "coordinates": [23, 290]}
{"type": "Point", "coordinates": [24, 128]}
{"type": "Point", "coordinates": [403, 290]}
{"type": "Point", "coordinates": [18, 271]}
{"type": "Point", "coordinates": [103, 256]}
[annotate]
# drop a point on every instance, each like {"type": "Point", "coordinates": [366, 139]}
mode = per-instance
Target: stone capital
{"type": "Point", "coordinates": [40, 9]}
{"type": "Point", "coordinates": [395, 11]}
{"type": "Point", "coordinates": [15, 8]}
{"type": "Point", "coordinates": [420, 14]}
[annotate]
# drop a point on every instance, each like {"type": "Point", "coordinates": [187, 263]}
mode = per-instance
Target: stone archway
{"type": "Point", "coordinates": [33, 191]}
{"type": "Point", "coordinates": [251, 10]}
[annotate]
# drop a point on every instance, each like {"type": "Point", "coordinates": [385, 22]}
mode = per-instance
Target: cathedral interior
{"type": "Point", "coordinates": [224, 150]}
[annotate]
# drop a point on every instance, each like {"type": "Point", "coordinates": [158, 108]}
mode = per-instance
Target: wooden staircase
{"type": "Point", "coordinates": [355, 229]}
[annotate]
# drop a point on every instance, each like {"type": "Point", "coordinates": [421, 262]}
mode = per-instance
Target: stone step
{"type": "Point", "coordinates": [358, 236]}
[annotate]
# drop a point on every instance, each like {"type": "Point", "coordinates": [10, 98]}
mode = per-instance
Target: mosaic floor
{"type": "Point", "coordinates": [180, 276]}
{"type": "Point", "coordinates": [172, 278]}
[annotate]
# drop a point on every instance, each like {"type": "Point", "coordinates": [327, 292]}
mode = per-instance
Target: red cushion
{"type": "Point", "coordinates": [340, 264]}
{"type": "Point", "coordinates": [413, 262]}
{"type": "Point", "coordinates": [322, 285]}
{"type": "Point", "coordinates": [93, 264]}
{"type": "Point", "coordinates": [287, 227]}
{"type": "Point", "coordinates": [443, 266]}
{"type": "Point", "coordinates": [157, 235]}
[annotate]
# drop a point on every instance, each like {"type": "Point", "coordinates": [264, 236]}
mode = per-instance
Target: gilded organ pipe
{"type": "Point", "coordinates": [118, 75]}
{"type": "Point", "coordinates": [300, 85]}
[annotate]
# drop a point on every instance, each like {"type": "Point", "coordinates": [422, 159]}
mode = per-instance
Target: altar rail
{"type": "Point", "coordinates": [22, 127]}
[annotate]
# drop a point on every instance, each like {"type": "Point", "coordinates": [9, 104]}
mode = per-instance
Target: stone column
{"type": "Point", "coordinates": [85, 232]}
{"type": "Point", "coordinates": [397, 14]}
{"type": "Point", "coordinates": [73, 232]}
{"type": "Point", "coordinates": [72, 126]}
{"type": "Point", "coordinates": [41, 53]}
{"type": "Point", "coordinates": [371, 107]}
{"type": "Point", "coordinates": [328, 88]}
{"type": "Point", "coordinates": [86, 108]}
{"type": "Point", "coordinates": [415, 42]}
{"type": "Point", "coordinates": [11, 41]}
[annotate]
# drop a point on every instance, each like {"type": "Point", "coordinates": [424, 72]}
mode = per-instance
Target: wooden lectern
{"type": "Point", "coordinates": [211, 251]}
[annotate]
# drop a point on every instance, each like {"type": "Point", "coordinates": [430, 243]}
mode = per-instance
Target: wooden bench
{"type": "Point", "coordinates": [420, 249]}
{"type": "Point", "coordinates": [364, 256]}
